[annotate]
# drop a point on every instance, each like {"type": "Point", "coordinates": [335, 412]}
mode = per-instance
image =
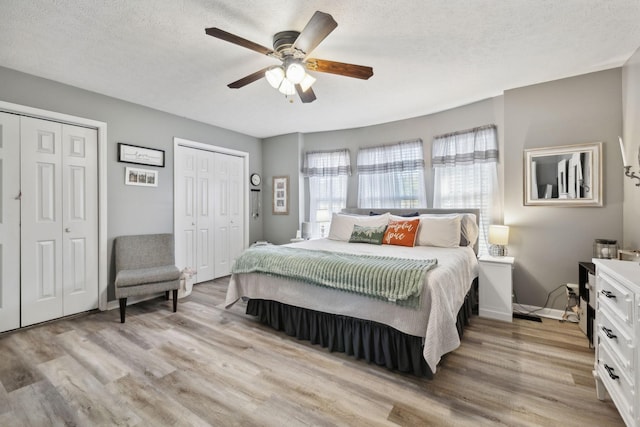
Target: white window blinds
{"type": "Point", "coordinates": [328, 173]}
{"type": "Point", "coordinates": [392, 176]}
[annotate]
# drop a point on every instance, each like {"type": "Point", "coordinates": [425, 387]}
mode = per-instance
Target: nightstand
{"type": "Point", "coordinates": [496, 287]}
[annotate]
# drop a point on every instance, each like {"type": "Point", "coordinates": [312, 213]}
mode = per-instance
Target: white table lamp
{"type": "Point", "coordinates": [498, 239]}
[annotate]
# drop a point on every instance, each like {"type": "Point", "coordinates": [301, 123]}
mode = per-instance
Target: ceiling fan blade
{"type": "Point", "coordinates": [248, 79]}
{"type": "Point", "coordinates": [319, 26]}
{"type": "Point", "coordinates": [306, 96]}
{"type": "Point", "coordinates": [341, 68]}
{"type": "Point", "coordinates": [232, 38]}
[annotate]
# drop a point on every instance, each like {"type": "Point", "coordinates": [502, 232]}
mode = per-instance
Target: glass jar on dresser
{"type": "Point", "coordinates": [617, 364]}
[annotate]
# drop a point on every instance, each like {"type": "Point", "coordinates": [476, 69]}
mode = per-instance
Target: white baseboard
{"type": "Point", "coordinates": [550, 313]}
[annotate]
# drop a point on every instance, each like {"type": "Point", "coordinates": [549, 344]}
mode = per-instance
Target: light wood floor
{"type": "Point", "coordinates": [205, 365]}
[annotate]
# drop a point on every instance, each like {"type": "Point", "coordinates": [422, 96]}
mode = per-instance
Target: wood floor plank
{"type": "Point", "coordinates": [41, 404]}
{"type": "Point", "coordinates": [86, 395]}
{"type": "Point", "coordinates": [206, 365]}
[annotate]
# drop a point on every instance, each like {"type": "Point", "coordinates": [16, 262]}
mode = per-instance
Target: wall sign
{"type": "Point", "coordinates": [140, 155]}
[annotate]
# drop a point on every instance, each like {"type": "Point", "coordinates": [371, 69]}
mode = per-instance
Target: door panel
{"type": "Point", "coordinates": [185, 207]}
{"type": "Point", "coordinates": [79, 219]}
{"type": "Point", "coordinates": [41, 214]}
{"type": "Point", "coordinates": [221, 206]}
{"type": "Point", "coordinates": [236, 207]}
{"type": "Point", "coordinates": [205, 220]}
{"type": "Point", "coordinates": [9, 222]}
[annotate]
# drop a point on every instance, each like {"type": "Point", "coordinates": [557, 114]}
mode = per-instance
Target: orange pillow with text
{"type": "Point", "coordinates": [401, 233]}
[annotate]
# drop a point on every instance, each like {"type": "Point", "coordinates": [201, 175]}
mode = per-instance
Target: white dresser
{"type": "Point", "coordinates": [617, 365]}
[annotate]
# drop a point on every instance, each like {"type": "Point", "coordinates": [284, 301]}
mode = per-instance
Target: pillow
{"type": "Point", "coordinates": [342, 225]}
{"type": "Point", "coordinates": [362, 234]}
{"type": "Point", "coordinates": [468, 226]}
{"type": "Point", "coordinates": [401, 233]}
{"type": "Point", "coordinates": [439, 231]}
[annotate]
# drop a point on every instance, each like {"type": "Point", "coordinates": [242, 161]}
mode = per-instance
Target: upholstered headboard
{"type": "Point", "coordinates": [367, 211]}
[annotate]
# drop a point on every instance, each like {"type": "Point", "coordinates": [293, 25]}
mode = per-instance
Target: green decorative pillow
{"type": "Point", "coordinates": [372, 235]}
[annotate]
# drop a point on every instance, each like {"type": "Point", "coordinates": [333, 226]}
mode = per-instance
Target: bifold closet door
{"type": "Point", "coordinates": [229, 211]}
{"type": "Point", "coordinates": [194, 212]}
{"type": "Point", "coordinates": [59, 239]}
{"type": "Point", "coordinates": [9, 222]}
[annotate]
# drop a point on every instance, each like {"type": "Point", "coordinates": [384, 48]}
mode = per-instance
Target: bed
{"type": "Point", "coordinates": [404, 333]}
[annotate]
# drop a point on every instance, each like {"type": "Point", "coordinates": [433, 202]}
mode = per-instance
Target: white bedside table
{"type": "Point", "coordinates": [496, 287]}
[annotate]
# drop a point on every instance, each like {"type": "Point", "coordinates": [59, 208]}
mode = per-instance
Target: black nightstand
{"type": "Point", "coordinates": [585, 268]}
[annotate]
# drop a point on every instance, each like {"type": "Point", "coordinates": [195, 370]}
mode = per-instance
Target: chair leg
{"type": "Point", "coordinates": [123, 308]}
{"type": "Point", "coordinates": [175, 300]}
{"type": "Point", "coordinates": [166, 295]}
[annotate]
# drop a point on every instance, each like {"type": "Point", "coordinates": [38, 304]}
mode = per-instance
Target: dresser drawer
{"type": "Point", "coordinates": [616, 298]}
{"type": "Point", "coordinates": [618, 338]}
{"type": "Point", "coordinates": [615, 380]}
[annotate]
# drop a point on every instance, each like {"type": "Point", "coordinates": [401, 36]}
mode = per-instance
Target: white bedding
{"type": "Point", "coordinates": [435, 319]}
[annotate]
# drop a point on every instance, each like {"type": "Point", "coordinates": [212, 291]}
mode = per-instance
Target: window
{"type": "Point", "coordinates": [328, 172]}
{"type": "Point", "coordinates": [466, 174]}
{"type": "Point", "coordinates": [392, 176]}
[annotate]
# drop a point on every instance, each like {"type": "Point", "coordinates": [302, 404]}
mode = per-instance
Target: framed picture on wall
{"type": "Point", "coordinates": [281, 195]}
{"type": "Point", "coordinates": [140, 155]}
{"type": "Point", "coordinates": [142, 177]}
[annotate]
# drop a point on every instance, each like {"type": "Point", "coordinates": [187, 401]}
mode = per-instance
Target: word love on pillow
{"type": "Point", "coordinates": [401, 233]}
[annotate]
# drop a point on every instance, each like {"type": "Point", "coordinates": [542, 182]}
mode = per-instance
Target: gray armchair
{"type": "Point", "coordinates": [145, 264]}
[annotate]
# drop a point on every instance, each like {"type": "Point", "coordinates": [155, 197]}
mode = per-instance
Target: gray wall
{"type": "Point", "coordinates": [631, 137]}
{"type": "Point", "coordinates": [131, 210]}
{"type": "Point", "coordinates": [548, 242]}
{"type": "Point", "coordinates": [281, 157]}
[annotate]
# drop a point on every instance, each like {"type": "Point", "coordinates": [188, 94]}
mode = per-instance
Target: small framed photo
{"type": "Point", "coordinates": [142, 177]}
{"type": "Point", "coordinates": [140, 155]}
{"type": "Point", "coordinates": [280, 195]}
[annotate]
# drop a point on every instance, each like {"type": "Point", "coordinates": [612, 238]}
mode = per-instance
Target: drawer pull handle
{"type": "Point", "coordinates": [610, 370]}
{"type": "Point", "coordinates": [609, 333]}
{"type": "Point", "coordinates": [607, 294]}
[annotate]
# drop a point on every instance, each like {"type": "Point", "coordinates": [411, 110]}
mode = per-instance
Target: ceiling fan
{"type": "Point", "coordinates": [293, 48]}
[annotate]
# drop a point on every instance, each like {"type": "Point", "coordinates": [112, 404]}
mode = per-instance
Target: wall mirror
{"type": "Point", "coordinates": [569, 175]}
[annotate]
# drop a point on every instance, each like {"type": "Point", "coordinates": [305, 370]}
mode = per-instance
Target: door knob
{"type": "Point", "coordinates": [67, 230]}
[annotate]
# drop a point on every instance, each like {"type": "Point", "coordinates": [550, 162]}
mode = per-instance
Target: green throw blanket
{"type": "Point", "coordinates": [394, 279]}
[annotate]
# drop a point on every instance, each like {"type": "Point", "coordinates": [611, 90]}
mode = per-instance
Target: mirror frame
{"type": "Point", "coordinates": [595, 149]}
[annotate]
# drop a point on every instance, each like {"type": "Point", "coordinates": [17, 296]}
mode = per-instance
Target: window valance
{"type": "Point", "coordinates": [478, 145]}
{"type": "Point", "coordinates": [327, 163]}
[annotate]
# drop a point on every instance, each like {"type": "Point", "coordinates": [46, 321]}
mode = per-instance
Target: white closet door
{"type": "Point", "coordinates": [9, 222]}
{"type": "Point", "coordinates": [222, 215]}
{"type": "Point", "coordinates": [41, 218]}
{"type": "Point", "coordinates": [237, 189]}
{"type": "Point", "coordinates": [79, 219]}
{"type": "Point", "coordinates": [185, 207]}
{"type": "Point", "coordinates": [205, 218]}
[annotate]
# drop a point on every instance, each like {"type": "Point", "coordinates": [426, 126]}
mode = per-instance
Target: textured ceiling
{"type": "Point", "coordinates": [427, 55]}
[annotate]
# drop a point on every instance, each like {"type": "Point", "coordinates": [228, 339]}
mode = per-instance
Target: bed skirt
{"type": "Point", "coordinates": [362, 339]}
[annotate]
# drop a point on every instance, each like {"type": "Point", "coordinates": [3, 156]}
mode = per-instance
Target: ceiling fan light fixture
{"type": "Point", "coordinates": [307, 82]}
{"type": "Point", "coordinates": [274, 76]}
{"type": "Point", "coordinates": [295, 72]}
{"type": "Point", "coordinates": [287, 88]}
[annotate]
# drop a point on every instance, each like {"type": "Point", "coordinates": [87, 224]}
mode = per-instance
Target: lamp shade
{"type": "Point", "coordinates": [274, 76]}
{"type": "Point", "coordinates": [307, 82]}
{"type": "Point", "coordinates": [323, 215]}
{"type": "Point", "coordinates": [287, 88]}
{"type": "Point", "coordinates": [499, 235]}
{"type": "Point", "coordinates": [295, 72]}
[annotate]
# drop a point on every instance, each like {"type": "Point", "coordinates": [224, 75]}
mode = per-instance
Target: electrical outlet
{"type": "Point", "coordinates": [572, 289]}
